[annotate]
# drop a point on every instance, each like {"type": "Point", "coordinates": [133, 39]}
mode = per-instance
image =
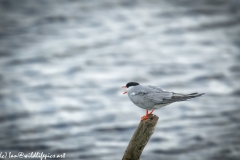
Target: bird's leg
{"type": "Point", "coordinates": [146, 116]}
{"type": "Point", "coordinates": [151, 111]}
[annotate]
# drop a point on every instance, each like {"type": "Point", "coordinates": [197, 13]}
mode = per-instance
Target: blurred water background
{"type": "Point", "coordinates": [62, 65]}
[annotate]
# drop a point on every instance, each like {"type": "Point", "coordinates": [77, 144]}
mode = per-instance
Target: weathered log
{"type": "Point", "coordinates": [140, 138]}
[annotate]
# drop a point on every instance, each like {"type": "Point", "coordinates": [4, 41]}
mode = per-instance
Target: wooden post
{"type": "Point", "coordinates": [140, 138]}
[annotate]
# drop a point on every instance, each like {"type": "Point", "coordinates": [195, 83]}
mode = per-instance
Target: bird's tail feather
{"type": "Point", "coordinates": [184, 97]}
{"type": "Point", "coordinates": [176, 97]}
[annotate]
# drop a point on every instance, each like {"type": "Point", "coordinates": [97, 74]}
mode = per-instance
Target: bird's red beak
{"type": "Point", "coordinates": [125, 91]}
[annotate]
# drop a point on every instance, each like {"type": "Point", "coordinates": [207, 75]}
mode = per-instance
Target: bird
{"type": "Point", "coordinates": [151, 97]}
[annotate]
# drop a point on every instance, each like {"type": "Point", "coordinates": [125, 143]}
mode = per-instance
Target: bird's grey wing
{"type": "Point", "coordinates": [154, 94]}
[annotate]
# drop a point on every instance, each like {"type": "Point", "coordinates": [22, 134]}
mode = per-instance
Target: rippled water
{"type": "Point", "coordinates": [62, 65]}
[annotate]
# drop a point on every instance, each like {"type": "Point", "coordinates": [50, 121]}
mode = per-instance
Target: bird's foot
{"type": "Point", "coordinates": [151, 111]}
{"type": "Point", "coordinates": [144, 117]}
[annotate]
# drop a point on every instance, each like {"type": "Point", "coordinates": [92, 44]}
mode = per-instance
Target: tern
{"type": "Point", "coordinates": [151, 97]}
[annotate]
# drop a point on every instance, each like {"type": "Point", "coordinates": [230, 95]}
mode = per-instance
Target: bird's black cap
{"type": "Point", "coordinates": [129, 84]}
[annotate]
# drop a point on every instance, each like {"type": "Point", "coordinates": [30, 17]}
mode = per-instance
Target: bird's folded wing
{"type": "Point", "coordinates": [154, 94]}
